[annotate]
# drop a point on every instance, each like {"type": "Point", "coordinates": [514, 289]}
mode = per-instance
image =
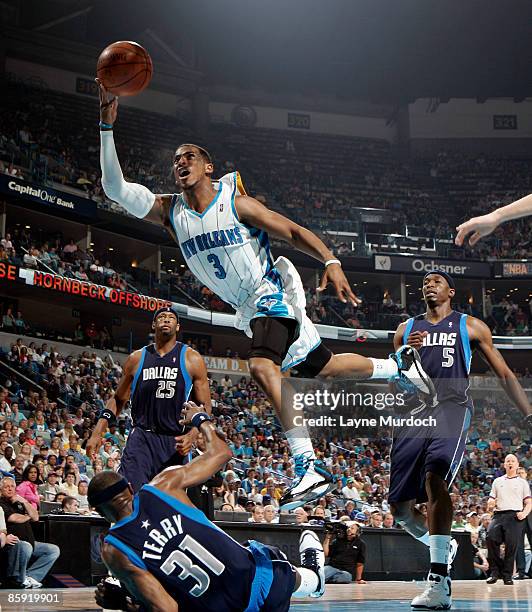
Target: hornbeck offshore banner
{"type": "Point", "coordinates": [72, 286]}
{"type": "Point", "coordinates": [47, 195]}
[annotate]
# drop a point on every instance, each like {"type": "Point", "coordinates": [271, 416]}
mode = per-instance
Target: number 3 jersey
{"type": "Point", "coordinates": [198, 564]}
{"type": "Point", "coordinates": [160, 387]}
{"type": "Point", "coordinates": [233, 260]}
{"type": "Point", "coordinates": [445, 355]}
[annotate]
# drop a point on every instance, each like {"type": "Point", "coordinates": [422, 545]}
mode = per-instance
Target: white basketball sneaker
{"type": "Point", "coordinates": [312, 482]}
{"type": "Point", "coordinates": [313, 558]}
{"type": "Point", "coordinates": [437, 595]}
{"type": "Point", "coordinates": [411, 377]}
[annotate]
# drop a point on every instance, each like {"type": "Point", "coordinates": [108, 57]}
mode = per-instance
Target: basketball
{"type": "Point", "coordinates": [125, 68]}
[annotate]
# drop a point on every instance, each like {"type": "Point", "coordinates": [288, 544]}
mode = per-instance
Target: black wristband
{"type": "Point", "coordinates": [108, 415]}
{"type": "Point", "coordinates": [199, 418]}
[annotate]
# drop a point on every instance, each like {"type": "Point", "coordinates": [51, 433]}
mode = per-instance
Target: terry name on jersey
{"type": "Point", "coordinates": [440, 339]}
{"type": "Point", "coordinates": [171, 528]}
{"type": "Point", "coordinates": [211, 240]}
{"type": "Point", "coordinates": [160, 372]}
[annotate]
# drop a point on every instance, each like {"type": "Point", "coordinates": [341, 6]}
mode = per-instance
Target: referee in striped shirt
{"type": "Point", "coordinates": [511, 500]}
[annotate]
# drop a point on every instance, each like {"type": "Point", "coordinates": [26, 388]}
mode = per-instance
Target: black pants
{"type": "Point", "coordinates": [520, 556]}
{"type": "Point", "coordinates": [504, 529]}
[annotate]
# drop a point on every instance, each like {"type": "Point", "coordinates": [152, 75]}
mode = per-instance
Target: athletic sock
{"type": "Point", "coordinates": [300, 442]}
{"type": "Point", "coordinates": [309, 582]}
{"type": "Point", "coordinates": [384, 368]}
{"type": "Point", "coordinates": [424, 539]}
{"type": "Point", "coordinates": [439, 554]}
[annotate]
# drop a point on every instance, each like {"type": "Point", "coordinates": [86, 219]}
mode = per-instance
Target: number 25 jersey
{"type": "Point", "coordinates": [160, 387]}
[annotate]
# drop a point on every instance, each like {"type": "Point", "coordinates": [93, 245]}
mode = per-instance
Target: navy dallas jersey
{"type": "Point", "coordinates": [197, 563]}
{"type": "Point", "coordinates": [445, 355]}
{"type": "Point", "coordinates": [160, 387]}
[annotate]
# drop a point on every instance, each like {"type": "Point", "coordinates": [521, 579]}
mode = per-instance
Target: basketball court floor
{"type": "Point", "coordinates": [469, 596]}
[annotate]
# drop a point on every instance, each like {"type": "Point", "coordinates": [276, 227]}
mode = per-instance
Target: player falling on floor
{"type": "Point", "coordinates": [484, 225]}
{"type": "Point", "coordinates": [158, 378]}
{"type": "Point", "coordinates": [423, 467]}
{"type": "Point", "coordinates": [169, 556]}
{"type": "Point", "coordinates": [223, 235]}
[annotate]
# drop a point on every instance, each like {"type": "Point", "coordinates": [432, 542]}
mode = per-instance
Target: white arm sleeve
{"type": "Point", "coordinates": [136, 199]}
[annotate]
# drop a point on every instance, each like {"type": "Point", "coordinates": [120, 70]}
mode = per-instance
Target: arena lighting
{"type": "Point", "coordinates": [27, 226]}
{"type": "Point", "coordinates": [182, 266]}
{"type": "Point", "coordinates": [92, 244]}
{"type": "Point", "coordinates": [111, 249]}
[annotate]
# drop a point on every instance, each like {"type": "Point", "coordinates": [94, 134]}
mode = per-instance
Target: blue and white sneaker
{"type": "Point", "coordinates": [437, 595]}
{"type": "Point", "coordinates": [411, 377]}
{"type": "Point", "coordinates": [313, 558]}
{"type": "Point", "coordinates": [312, 481]}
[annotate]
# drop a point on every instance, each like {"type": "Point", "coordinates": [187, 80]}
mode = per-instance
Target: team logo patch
{"type": "Point", "coordinates": [268, 303]}
{"type": "Point", "coordinates": [450, 323]}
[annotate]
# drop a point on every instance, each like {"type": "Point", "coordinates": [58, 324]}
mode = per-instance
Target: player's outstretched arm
{"type": "Point", "coordinates": [254, 213]}
{"type": "Point", "coordinates": [482, 226]}
{"type": "Point", "coordinates": [137, 199]}
{"type": "Point", "coordinates": [201, 468]}
{"type": "Point", "coordinates": [142, 585]}
{"type": "Point", "coordinates": [115, 405]}
{"type": "Point", "coordinates": [481, 338]}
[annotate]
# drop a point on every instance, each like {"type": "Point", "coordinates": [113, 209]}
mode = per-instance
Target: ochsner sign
{"type": "Point", "coordinates": [421, 265]}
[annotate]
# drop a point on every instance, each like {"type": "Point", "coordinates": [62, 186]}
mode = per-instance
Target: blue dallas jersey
{"type": "Point", "coordinates": [197, 563]}
{"type": "Point", "coordinates": [160, 387]}
{"type": "Point", "coordinates": [445, 354]}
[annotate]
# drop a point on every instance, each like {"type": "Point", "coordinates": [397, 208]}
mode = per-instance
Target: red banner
{"type": "Point", "coordinates": [84, 289]}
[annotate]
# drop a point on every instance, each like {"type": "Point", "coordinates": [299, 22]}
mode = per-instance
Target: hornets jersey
{"type": "Point", "coordinates": [229, 257]}
{"type": "Point", "coordinates": [233, 259]}
{"type": "Point", "coordinates": [197, 563]}
{"type": "Point", "coordinates": [160, 387]}
{"type": "Point", "coordinates": [445, 354]}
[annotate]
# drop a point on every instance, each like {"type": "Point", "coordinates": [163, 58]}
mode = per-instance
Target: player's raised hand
{"type": "Point", "coordinates": [189, 410]}
{"type": "Point", "coordinates": [478, 227]}
{"type": "Point", "coordinates": [108, 104]}
{"type": "Point", "coordinates": [334, 274]}
{"type": "Point", "coordinates": [415, 339]}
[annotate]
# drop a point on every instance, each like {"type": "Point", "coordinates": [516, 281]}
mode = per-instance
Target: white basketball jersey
{"type": "Point", "coordinates": [227, 256]}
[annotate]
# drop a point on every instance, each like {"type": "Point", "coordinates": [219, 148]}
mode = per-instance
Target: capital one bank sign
{"type": "Point", "coordinates": [421, 265]}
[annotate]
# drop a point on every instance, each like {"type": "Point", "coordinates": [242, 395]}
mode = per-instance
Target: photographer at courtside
{"type": "Point", "coordinates": [346, 553]}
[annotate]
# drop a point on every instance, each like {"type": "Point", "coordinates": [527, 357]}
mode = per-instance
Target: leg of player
{"type": "Point", "coordinates": [312, 480]}
{"type": "Point", "coordinates": [437, 595]}
{"type": "Point", "coordinates": [414, 522]}
{"type": "Point", "coordinates": [403, 367]}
